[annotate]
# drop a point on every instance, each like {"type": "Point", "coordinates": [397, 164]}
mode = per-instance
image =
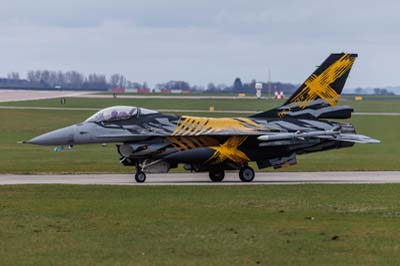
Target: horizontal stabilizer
{"type": "Point", "coordinates": [327, 134]}
{"type": "Point", "coordinates": [356, 138]}
{"type": "Point", "coordinates": [297, 135]}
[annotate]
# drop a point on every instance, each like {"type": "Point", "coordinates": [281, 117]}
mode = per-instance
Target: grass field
{"type": "Point", "coordinates": [247, 225]}
{"type": "Point", "coordinates": [202, 225]}
{"type": "Point", "coordinates": [24, 124]}
{"type": "Point", "coordinates": [369, 104]}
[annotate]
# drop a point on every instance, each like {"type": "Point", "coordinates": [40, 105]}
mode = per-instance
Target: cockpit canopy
{"type": "Point", "coordinates": [118, 113]}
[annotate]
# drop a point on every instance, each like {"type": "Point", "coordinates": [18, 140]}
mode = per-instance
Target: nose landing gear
{"type": "Point", "coordinates": [140, 176]}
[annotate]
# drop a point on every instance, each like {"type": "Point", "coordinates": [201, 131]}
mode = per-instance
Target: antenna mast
{"type": "Point", "coordinates": [269, 84]}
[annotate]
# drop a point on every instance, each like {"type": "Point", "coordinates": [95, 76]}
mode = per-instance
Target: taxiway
{"type": "Point", "coordinates": [262, 178]}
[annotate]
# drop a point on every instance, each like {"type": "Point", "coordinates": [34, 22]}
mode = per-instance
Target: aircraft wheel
{"type": "Point", "coordinates": [140, 177]}
{"type": "Point", "coordinates": [217, 176]}
{"type": "Point", "coordinates": [246, 174]}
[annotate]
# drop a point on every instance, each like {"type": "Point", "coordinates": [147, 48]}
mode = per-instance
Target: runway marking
{"type": "Point", "coordinates": [174, 110]}
{"type": "Point", "coordinates": [199, 179]}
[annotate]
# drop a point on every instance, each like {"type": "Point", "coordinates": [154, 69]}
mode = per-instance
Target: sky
{"type": "Point", "coordinates": [201, 41]}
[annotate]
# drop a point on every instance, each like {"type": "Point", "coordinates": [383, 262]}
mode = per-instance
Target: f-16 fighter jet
{"type": "Point", "coordinates": [153, 142]}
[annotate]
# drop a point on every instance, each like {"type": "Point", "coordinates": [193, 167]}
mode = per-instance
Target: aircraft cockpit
{"type": "Point", "coordinates": [118, 113]}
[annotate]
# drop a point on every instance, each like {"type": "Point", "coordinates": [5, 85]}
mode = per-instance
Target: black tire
{"type": "Point", "coordinates": [217, 176]}
{"type": "Point", "coordinates": [246, 174]}
{"type": "Point", "coordinates": [140, 177]}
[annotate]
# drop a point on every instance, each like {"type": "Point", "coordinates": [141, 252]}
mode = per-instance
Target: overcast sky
{"type": "Point", "coordinates": [201, 41]}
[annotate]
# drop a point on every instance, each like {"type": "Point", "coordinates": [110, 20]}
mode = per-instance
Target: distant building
{"type": "Point", "coordinates": [166, 91]}
{"type": "Point", "coordinates": [132, 90]}
{"type": "Point", "coordinates": [143, 90]}
{"type": "Point", "coordinates": [176, 91]}
{"type": "Point", "coordinates": [118, 90]}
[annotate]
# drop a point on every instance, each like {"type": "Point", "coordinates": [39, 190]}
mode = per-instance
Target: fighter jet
{"type": "Point", "coordinates": [153, 142]}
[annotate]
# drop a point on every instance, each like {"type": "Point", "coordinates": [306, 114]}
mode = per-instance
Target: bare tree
{"type": "Point", "coordinates": [13, 75]}
{"type": "Point", "coordinates": [53, 79]}
{"type": "Point", "coordinates": [60, 79]}
{"type": "Point", "coordinates": [74, 79]}
{"type": "Point", "coordinates": [31, 76]}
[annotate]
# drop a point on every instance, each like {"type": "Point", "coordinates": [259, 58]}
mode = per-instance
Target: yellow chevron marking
{"type": "Point", "coordinates": [206, 141]}
{"type": "Point", "coordinates": [178, 145]}
{"type": "Point", "coordinates": [229, 150]}
{"type": "Point", "coordinates": [187, 143]}
{"type": "Point", "coordinates": [320, 86]}
{"type": "Point", "coordinates": [282, 114]}
{"type": "Point", "coordinates": [248, 121]}
{"type": "Point", "coordinates": [194, 126]}
{"type": "Point", "coordinates": [185, 124]}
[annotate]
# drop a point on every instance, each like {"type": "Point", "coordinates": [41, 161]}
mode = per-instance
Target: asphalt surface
{"type": "Point", "coordinates": [25, 95]}
{"type": "Point", "coordinates": [262, 178]}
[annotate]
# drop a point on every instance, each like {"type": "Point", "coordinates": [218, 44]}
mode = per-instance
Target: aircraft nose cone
{"type": "Point", "coordinates": [63, 136]}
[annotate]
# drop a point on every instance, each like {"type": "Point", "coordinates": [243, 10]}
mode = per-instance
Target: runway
{"type": "Point", "coordinates": [197, 179]}
{"type": "Point", "coordinates": [28, 95]}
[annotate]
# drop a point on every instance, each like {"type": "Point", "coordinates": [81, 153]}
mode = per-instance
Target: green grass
{"type": "Point", "coordinates": [176, 94]}
{"type": "Point", "coordinates": [230, 225]}
{"type": "Point", "coordinates": [246, 225]}
{"type": "Point", "coordinates": [369, 104]}
{"type": "Point", "coordinates": [190, 104]}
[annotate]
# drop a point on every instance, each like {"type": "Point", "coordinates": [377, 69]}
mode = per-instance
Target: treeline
{"type": "Point", "coordinates": [74, 80]}
{"type": "Point", "coordinates": [45, 79]}
{"type": "Point", "coordinates": [236, 87]}
{"type": "Point", "coordinates": [375, 91]}
{"type": "Point", "coordinates": [239, 87]}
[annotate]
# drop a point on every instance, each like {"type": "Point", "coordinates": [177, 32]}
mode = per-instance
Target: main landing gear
{"type": "Point", "coordinates": [246, 174]}
{"type": "Point", "coordinates": [217, 175]}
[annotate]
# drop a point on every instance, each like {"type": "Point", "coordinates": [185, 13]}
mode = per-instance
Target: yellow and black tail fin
{"type": "Point", "coordinates": [326, 82]}
{"type": "Point", "coordinates": [318, 96]}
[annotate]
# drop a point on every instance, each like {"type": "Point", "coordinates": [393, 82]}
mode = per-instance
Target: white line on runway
{"type": "Point", "coordinates": [171, 110]}
{"type": "Point", "coordinates": [262, 178]}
